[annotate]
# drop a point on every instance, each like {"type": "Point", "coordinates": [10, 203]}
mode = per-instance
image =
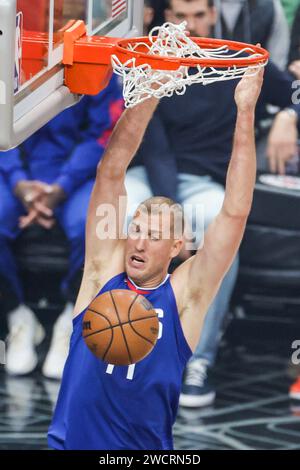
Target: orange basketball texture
{"type": "Point", "coordinates": [120, 327]}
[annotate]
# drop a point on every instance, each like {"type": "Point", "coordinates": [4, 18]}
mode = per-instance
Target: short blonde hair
{"type": "Point", "coordinates": [160, 205]}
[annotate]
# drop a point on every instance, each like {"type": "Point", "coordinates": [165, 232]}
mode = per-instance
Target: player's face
{"type": "Point", "coordinates": [200, 17]}
{"type": "Point", "coordinates": [150, 248]}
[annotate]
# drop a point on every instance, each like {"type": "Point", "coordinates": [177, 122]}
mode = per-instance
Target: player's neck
{"type": "Point", "coordinates": [152, 283]}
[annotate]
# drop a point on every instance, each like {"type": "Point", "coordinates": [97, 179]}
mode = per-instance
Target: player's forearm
{"type": "Point", "coordinates": [241, 173]}
{"type": "Point", "coordinates": [126, 138]}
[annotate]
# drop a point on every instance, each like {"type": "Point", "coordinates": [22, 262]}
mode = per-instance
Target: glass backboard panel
{"type": "Point", "coordinates": [32, 87]}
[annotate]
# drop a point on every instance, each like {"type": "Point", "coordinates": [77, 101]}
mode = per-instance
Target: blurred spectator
{"type": "Point", "coordinates": [148, 16]}
{"type": "Point", "coordinates": [255, 21]}
{"type": "Point", "coordinates": [185, 155]}
{"type": "Point", "coordinates": [49, 178]}
{"type": "Point", "coordinates": [290, 7]}
{"type": "Point", "coordinates": [158, 10]}
{"type": "Point", "coordinates": [295, 390]}
{"type": "Point", "coordinates": [264, 22]}
{"type": "Point", "coordinates": [294, 54]}
{"type": "Point", "coordinates": [252, 21]}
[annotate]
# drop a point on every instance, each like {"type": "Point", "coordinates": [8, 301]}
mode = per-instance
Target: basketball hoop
{"type": "Point", "coordinates": [160, 65]}
{"type": "Point", "coordinates": [169, 61]}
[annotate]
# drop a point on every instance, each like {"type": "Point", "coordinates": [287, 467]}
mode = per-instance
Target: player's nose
{"type": "Point", "coordinates": [140, 243]}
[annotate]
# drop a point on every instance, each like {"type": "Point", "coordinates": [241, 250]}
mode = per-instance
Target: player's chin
{"type": "Point", "coordinates": [135, 268]}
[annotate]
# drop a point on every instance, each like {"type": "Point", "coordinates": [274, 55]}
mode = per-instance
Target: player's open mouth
{"type": "Point", "coordinates": [137, 260]}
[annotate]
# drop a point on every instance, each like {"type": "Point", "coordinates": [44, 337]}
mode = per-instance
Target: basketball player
{"type": "Point", "coordinates": [107, 407]}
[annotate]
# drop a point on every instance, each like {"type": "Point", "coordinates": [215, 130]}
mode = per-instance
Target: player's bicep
{"type": "Point", "coordinates": [105, 219]}
{"type": "Point", "coordinates": [221, 243]}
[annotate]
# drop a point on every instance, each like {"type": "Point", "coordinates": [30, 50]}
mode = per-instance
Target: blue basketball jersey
{"type": "Point", "coordinates": [106, 407]}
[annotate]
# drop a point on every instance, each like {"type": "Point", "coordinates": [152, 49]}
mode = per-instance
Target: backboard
{"type": "Point", "coordinates": [32, 89]}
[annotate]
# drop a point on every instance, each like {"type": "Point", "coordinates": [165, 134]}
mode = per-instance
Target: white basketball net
{"type": "Point", "coordinates": [141, 82]}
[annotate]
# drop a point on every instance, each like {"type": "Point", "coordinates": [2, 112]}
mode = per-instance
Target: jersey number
{"type": "Point", "coordinates": [131, 368]}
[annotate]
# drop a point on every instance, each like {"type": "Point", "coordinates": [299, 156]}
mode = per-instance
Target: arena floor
{"type": "Point", "coordinates": [252, 410]}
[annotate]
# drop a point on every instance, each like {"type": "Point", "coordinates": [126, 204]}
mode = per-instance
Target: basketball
{"type": "Point", "coordinates": [120, 327]}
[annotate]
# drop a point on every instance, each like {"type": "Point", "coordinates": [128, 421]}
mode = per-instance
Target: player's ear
{"type": "Point", "coordinates": [176, 248]}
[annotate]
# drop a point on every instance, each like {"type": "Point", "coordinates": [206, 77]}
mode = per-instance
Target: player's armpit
{"type": "Point", "coordinates": [95, 275]}
{"type": "Point", "coordinates": [192, 303]}
{"type": "Point", "coordinates": [198, 277]}
{"type": "Point", "coordinates": [197, 280]}
{"type": "Point", "coordinates": [221, 243]}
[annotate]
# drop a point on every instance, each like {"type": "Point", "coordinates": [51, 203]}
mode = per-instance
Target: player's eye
{"type": "Point", "coordinates": [154, 237]}
{"type": "Point", "coordinates": [180, 16]}
{"type": "Point", "coordinates": [133, 228]}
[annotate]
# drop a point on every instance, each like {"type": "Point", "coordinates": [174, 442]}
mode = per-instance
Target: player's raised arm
{"type": "Point", "coordinates": [204, 272]}
{"type": "Point", "coordinates": [107, 208]}
{"type": "Point", "coordinates": [109, 185]}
